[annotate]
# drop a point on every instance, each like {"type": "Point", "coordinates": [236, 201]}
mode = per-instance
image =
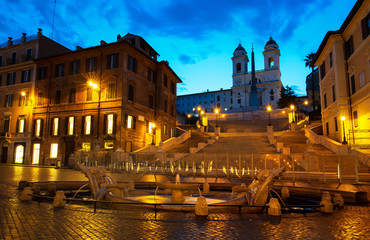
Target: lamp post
{"type": "Point", "coordinates": [293, 113]}
{"type": "Point", "coordinates": [269, 110]}
{"type": "Point", "coordinates": [344, 132]}
{"type": "Point", "coordinates": [189, 116]}
{"type": "Point", "coordinates": [153, 133]}
{"type": "Point", "coordinates": [217, 111]}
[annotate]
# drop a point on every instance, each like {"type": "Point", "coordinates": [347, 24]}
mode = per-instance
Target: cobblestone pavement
{"type": "Point", "coordinates": [19, 220]}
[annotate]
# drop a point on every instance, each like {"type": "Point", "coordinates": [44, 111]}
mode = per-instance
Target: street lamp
{"type": "Point", "coordinates": [217, 111]}
{"type": "Point", "coordinates": [292, 107]}
{"type": "Point", "coordinates": [153, 131]}
{"type": "Point", "coordinates": [95, 86]}
{"type": "Point", "coordinates": [306, 102]}
{"type": "Point", "coordinates": [344, 132]}
{"type": "Point", "coordinates": [269, 110]}
{"type": "Point", "coordinates": [189, 116]}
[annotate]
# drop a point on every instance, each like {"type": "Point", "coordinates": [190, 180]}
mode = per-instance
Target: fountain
{"type": "Point", "coordinates": [255, 195]}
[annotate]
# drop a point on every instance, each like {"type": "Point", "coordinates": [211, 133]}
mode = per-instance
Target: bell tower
{"type": "Point", "coordinates": [240, 61]}
{"type": "Point", "coordinates": [272, 55]}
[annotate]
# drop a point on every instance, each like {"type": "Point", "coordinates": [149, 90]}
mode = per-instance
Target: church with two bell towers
{"type": "Point", "coordinates": [253, 89]}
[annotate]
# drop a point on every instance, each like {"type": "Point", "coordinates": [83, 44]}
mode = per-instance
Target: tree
{"type": "Point", "coordinates": [287, 97]}
{"type": "Point", "coordinates": [309, 63]}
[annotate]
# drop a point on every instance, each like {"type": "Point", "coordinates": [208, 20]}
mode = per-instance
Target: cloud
{"type": "Point", "coordinates": [185, 59]}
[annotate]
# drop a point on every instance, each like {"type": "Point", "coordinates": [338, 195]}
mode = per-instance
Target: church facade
{"type": "Point", "coordinates": [254, 89]}
{"type": "Point", "coordinates": [251, 90]}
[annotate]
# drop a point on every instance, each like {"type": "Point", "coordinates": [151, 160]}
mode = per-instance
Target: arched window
{"type": "Point", "coordinates": [271, 62]}
{"type": "Point", "coordinates": [19, 154]}
{"type": "Point", "coordinates": [238, 67]}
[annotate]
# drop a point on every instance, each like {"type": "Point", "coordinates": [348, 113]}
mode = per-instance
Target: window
{"type": "Point", "coordinates": [26, 76]}
{"type": "Point", "coordinates": [14, 58]}
{"type": "Point", "coordinates": [172, 111]}
{"type": "Point", "coordinates": [349, 47]}
{"type": "Point", "coordinates": [239, 101]}
{"type": "Point", "coordinates": [353, 84]}
{"type": "Point", "coordinates": [151, 101]}
{"type": "Point", "coordinates": [130, 122]}
{"type": "Point", "coordinates": [355, 119]}
{"type": "Point", "coordinates": [75, 65]}
{"type": "Point", "coordinates": [72, 95]}
{"type": "Point", "coordinates": [238, 67]}
{"type": "Point", "coordinates": [91, 65]}
{"type": "Point", "coordinates": [165, 80]}
{"type": "Point", "coordinates": [218, 98]}
{"type": "Point", "coordinates": [331, 59]}
{"type": "Point", "coordinates": [130, 93]}
{"type": "Point", "coordinates": [333, 92]}
{"type": "Point", "coordinates": [28, 54]}
{"type": "Point", "coordinates": [112, 61]}
{"type": "Point", "coordinates": [173, 87]}
{"type": "Point", "coordinates": [42, 73]}
{"type": "Point", "coordinates": [150, 127]}
{"type": "Point", "coordinates": [19, 153]}
{"type": "Point", "coordinates": [87, 124]}
{"type": "Point", "coordinates": [327, 128]}
{"type": "Point", "coordinates": [111, 91]}
{"type": "Point", "coordinates": [171, 134]}
{"type": "Point", "coordinates": [36, 153]}
{"type": "Point", "coordinates": [21, 122]}
{"type": "Point", "coordinates": [23, 99]}
{"type": "Point", "coordinates": [152, 75]}
{"type": "Point", "coordinates": [271, 62]}
{"type": "Point", "coordinates": [86, 147]}
{"type": "Point", "coordinates": [322, 70]}
{"type": "Point", "coordinates": [1, 61]}
{"type": "Point", "coordinates": [110, 123]}
{"type": "Point", "coordinates": [6, 124]}
{"type": "Point", "coordinates": [38, 128]}
{"type": "Point", "coordinates": [231, 101]}
{"type": "Point", "coordinates": [40, 99]}
{"type": "Point", "coordinates": [71, 124]}
{"type": "Point", "coordinates": [89, 92]}
{"type": "Point", "coordinates": [59, 70]}
{"type": "Point", "coordinates": [109, 145]}
{"type": "Point", "coordinates": [10, 78]}
{"type": "Point", "coordinates": [57, 96]}
{"type": "Point", "coordinates": [8, 100]}
{"type": "Point", "coordinates": [336, 124]}
{"type": "Point", "coordinates": [132, 64]}
{"type": "Point", "coordinates": [361, 78]}
{"type": "Point", "coordinates": [54, 150]}
{"type": "Point", "coordinates": [165, 129]}
{"type": "Point", "coordinates": [165, 106]}
{"type": "Point", "coordinates": [55, 127]}
{"type": "Point", "coordinates": [325, 102]}
{"type": "Point", "coordinates": [365, 25]}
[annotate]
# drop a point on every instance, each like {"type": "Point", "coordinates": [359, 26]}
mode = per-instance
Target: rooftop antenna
{"type": "Point", "coordinates": [52, 28]}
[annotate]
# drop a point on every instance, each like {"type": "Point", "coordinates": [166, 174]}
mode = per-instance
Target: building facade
{"type": "Point", "coordinates": [238, 98]}
{"type": "Point", "coordinates": [343, 59]}
{"type": "Point", "coordinates": [17, 82]}
{"type": "Point", "coordinates": [315, 86]}
{"type": "Point", "coordinates": [114, 96]}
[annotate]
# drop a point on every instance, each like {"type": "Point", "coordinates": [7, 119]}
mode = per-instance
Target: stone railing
{"type": "Point", "coordinates": [175, 140]}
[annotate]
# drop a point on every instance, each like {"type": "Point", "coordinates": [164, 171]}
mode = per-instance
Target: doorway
{"type": "Point", "coordinates": [69, 149]}
{"type": "Point", "coordinates": [19, 152]}
{"type": "Point", "coordinates": [4, 152]}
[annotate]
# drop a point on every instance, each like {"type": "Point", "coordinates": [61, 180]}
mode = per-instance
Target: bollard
{"type": "Point", "coordinates": [52, 188]}
{"type": "Point", "coordinates": [36, 189]}
{"type": "Point", "coordinates": [25, 194]}
{"type": "Point", "coordinates": [338, 199]}
{"type": "Point", "coordinates": [131, 185]}
{"type": "Point", "coordinates": [327, 205]}
{"type": "Point", "coordinates": [201, 207]}
{"type": "Point", "coordinates": [274, 207]}
{"type": "Point", "coordinates": [23, 184]}
{"type": "Point", "coordinates": [285, 193]}
{"type": "Point", "coordinates": [59, 199]}
{"type": "Point", "coordinates": [326, 194]}
{"type": "Point", "coordinates": [205, 188]}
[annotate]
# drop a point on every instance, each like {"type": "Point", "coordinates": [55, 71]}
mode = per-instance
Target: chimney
{"type": "Point", "coordinates": [78, 48]}
{"type": "Point", "coordinates": [221, 89]}
{"type": "Point", "coordinates": [118, 37]}
{"type": "Point", "coordinates": [10, 42]}
{"type": "Point", "coordinates": [102, 42]}
{"type": "Point", "coordinates": [24, 37]}
{"type": "Point", "coordinates": [39, 34]}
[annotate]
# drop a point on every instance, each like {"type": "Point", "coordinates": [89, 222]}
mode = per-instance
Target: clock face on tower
{"type": "Point", "coordinates": [238, 81]}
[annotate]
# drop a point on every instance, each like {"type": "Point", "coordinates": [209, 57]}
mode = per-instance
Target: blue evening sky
{"type": "Point", "coordinates": [197, 37]}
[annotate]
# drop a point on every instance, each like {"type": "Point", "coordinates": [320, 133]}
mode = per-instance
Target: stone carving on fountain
{"type": "Point", "coordinates": [101, 185]}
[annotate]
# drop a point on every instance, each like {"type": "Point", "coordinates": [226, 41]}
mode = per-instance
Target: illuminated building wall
{"type": "Point", "coordinates": [343, 59]}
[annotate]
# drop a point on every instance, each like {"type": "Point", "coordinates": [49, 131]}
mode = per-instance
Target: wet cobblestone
{"type": "Point", "coordinates": [19, 220]}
